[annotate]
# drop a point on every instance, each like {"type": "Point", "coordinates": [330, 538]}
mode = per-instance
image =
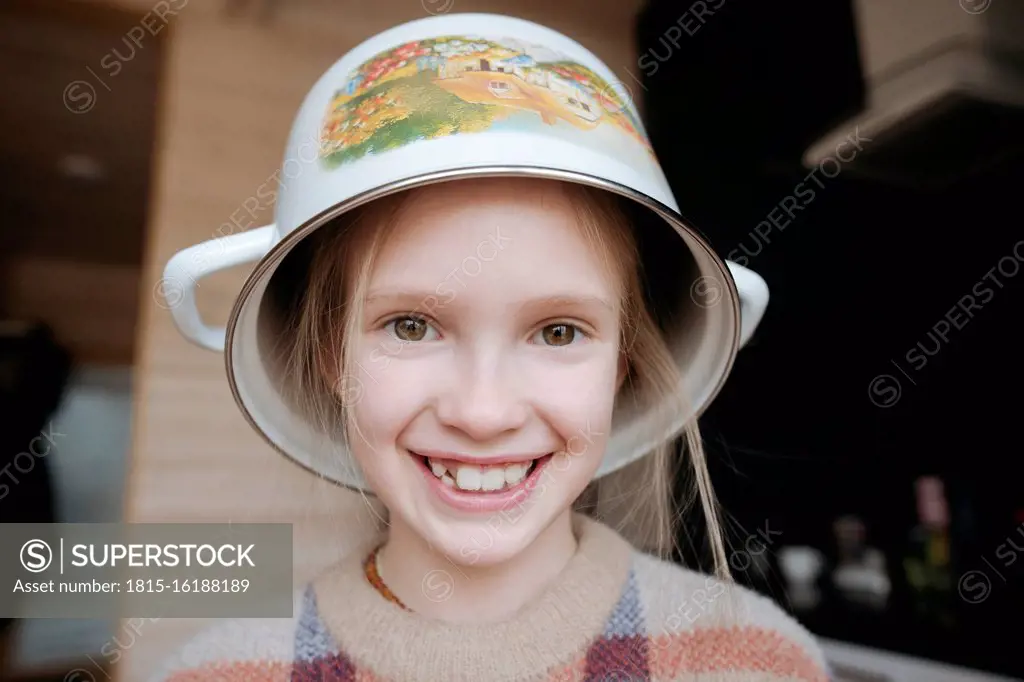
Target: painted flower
{"type": "Point", "coordinates": [406, 50]}
{"type": "Point", "coordinates": [377, 71]}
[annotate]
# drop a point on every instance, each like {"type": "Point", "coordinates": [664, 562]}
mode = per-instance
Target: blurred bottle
{"type": "Point", "coordinates": [860, 574]}
{"type": "Point", "coordinates": [927, 564]}
{"type": "Point", "coordinates": [801, 566]}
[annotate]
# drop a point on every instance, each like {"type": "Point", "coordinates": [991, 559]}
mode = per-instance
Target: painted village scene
{"type": "Point", "coordinates": [449, 85]}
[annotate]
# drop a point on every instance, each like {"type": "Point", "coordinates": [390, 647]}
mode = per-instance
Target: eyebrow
{"type": "Point", "coordinates": [415, 300]}
{"type": "Point", "coordinates": [568, 301]}
{"type": "Point", "coordinates": [409, 299]}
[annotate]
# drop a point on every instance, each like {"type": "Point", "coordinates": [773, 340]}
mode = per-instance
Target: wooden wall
{"type": "Point", "coordinates": [231, 86]}
{"type": "Point", "coordinates": [77, 120]}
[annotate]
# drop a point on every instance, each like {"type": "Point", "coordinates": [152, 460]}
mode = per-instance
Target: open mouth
{"type": "Point", "coordinates": [490, 478]}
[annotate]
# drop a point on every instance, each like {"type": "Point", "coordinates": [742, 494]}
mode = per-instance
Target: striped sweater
{"type": "Point", "coordinates": [614, 614]}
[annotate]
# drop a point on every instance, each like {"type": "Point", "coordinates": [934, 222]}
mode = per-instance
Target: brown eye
{"type": "Point", "coordinates": [558, 334]}
{"type": "Point", "coordinates": [410, 328]}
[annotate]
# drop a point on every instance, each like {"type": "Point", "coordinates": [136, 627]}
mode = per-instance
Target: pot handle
{"type": "Point", "coordinates": [753, 291]}
{"type": "Point", "coordinates": [185, 268]}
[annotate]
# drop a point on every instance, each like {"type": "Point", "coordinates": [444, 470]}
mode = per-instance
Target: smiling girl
{"type": "Point", "coordinates": [479, 419]}
{"type": "Point", "coordinates": [504, 361]}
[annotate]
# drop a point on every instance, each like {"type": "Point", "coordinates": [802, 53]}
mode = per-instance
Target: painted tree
{"type": "Point", "coordinates": [419, 110]}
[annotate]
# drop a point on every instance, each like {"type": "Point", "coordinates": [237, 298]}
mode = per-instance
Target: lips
{"type": "Point", "coordinates": [469, 486]}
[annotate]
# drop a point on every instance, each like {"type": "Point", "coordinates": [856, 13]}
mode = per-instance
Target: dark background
{"type": "Point", "coordinates": [857, 279]}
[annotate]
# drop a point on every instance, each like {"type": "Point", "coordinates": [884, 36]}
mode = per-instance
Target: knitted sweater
{"type": "Point", "coordinates": [614, 614]}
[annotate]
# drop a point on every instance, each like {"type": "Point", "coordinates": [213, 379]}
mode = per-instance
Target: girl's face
{"type": "Point", "coordinates": [487, 364]}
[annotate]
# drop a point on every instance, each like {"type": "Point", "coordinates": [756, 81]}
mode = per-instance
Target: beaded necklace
{"type": "Point", "coordinates": [373, 575]}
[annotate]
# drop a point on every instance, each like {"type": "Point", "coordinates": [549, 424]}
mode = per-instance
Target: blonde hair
{"type": "Point", "coordinates": [328, 287]}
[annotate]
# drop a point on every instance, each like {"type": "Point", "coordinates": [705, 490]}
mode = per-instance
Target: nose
{"type": "Point", "coordinates": [482, 402]}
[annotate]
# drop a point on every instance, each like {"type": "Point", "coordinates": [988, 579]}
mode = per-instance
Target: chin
{"type": "Point", "coordinates": [487, 541]}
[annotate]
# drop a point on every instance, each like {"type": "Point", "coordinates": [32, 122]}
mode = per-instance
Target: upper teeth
{"type": "Point", "coordinates": [470, 477]}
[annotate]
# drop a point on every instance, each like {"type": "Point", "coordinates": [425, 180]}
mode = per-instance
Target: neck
{"type": "Point", "coordinates": [437, 587]}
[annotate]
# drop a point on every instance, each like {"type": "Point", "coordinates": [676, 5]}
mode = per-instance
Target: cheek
{"type": "Point", "coordinates": [578, 402]}
{"type": "Point", "coordinates": [387, 402]}
{"type": "Point", "coordinates": [380, 414]}
{"type": "Point", "coordinates": [382, 401]}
